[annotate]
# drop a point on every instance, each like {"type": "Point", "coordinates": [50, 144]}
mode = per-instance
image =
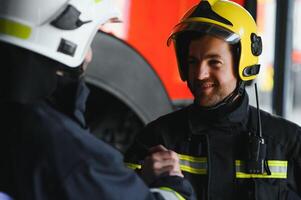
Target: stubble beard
{"type": "Point", "coordinates": [206, 99]}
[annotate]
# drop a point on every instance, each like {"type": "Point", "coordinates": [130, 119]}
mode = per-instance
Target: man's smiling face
{"type": "Point", "coordinates": [211, 76]}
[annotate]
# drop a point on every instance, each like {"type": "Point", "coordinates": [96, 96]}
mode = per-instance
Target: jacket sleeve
{"type": "Point", "coordinates": [151, 136]}
{"type": "Point", "coordinates": [292, 191]}
{"type": "Point", "coordinates": [296, 193]}
{"type": "Point", "coordinates": [109, 179]}
{"type": "Point", "coordinates": [148, 137]}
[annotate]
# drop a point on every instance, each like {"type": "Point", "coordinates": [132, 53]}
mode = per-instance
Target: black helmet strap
{"type": "Point", "coordinates": [238, 91]}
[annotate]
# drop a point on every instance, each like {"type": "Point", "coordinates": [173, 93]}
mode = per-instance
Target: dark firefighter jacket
{"type": "Point", "coordinates": [48, 153]}
{"type": "Point", "coordinates": [212, 148]}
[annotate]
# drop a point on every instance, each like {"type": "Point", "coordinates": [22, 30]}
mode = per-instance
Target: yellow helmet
{"type": "Point", "coordinates": [226, 20]}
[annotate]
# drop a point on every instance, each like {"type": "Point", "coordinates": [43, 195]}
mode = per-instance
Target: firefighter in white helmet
{"type": "Point", "coordinates": [224, 151]}
{"type": "Point", "coordinates": [48, 152]}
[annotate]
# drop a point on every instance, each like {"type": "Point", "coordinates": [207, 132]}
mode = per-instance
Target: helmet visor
{"type": "Point", "coordinates": [205, 28]}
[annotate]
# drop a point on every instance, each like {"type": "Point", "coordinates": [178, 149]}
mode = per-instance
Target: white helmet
{"type": "Point", "coordinates": [59, 29]}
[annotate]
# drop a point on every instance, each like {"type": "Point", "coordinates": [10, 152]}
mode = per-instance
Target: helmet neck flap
{"type": "Point", "coordinates": [29, 77]}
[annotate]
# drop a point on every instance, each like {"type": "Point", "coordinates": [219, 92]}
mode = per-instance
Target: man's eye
{"type": "Point", "coordinates": [215, 63]}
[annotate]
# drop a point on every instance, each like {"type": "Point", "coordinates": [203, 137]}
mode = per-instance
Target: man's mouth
{"type": "Point", "coordinates": [206, 85]}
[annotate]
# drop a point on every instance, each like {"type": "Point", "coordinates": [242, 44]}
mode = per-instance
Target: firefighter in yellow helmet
{"type": "Point", "coordinates": [227, 149]}
{"type": "Point", "coordinates": [47, 151]}
{"type": "Point", "coordinates": [229, 22]}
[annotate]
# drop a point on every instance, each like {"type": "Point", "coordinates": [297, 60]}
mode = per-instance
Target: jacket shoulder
{"type": "Point", "coordinates": [174, 119]}
{"type": "Point", "coordinates": [165, 130]}
{"type": "Point", "coordinates": [62, 142]}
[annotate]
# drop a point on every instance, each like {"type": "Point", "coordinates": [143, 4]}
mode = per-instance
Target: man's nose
{"type": "Point", "coordinates": [203, 71]}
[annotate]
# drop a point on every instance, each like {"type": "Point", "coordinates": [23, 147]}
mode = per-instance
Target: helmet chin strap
{"type": "Point", "coordinates": [238, 91]}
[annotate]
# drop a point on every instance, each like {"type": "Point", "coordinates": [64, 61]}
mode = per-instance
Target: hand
{"type": "Point", "coordinates": [160, 161]}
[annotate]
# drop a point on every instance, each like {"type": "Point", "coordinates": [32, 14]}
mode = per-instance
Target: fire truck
{"type": "Point", "coordinates": [133, 77]}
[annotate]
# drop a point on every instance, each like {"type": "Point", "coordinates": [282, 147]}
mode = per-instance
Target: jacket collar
{"type": "Point", "coordinates": [221, 118]}
{"type": "Point", "coordinates": [70, 98]}
{"type": "Point", "coordinates": [82, 94]}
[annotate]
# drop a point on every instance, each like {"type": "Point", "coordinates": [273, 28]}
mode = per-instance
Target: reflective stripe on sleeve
{"type": "Point", "coordinates": [191, 164]}
{"type": "Point", "coordinates": [167, 193]}
{"type": "Point", "coordinates": [278, 169]}
{"type": "Point", "coordinates": [132, 166]}
{"type": "Point", "coordinates": [194, 165]}
{"type": "Point", "coordinates": [4, 196]}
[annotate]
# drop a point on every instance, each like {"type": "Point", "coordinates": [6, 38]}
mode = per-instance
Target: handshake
{"type": "Point", "coordinates": [160, 162]}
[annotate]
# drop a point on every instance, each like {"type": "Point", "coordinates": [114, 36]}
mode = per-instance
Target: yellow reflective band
{"type": "Point", "coordinates": [190, 164]}
{"type": "Point", "coordinates": [14, 29]}
{"type": "Point", "coordinates": [97, 1]}
{"type": "Point", "coordinates": [171, 190]}
{"type": "Point", "coordinates": [192, 158]}
{"type": "Point", "coordinates": [194, 165]}
{"type": "Point", "coordinates": [273, 175]}
{"type": "Point", "coordinates": [279, 163]}
{"type": "Point", "coordinates": [133, 166]}
{"type": "Point", "coordinates": [193, 170]}
{"type": "Point", "coordinates": [278, 169]}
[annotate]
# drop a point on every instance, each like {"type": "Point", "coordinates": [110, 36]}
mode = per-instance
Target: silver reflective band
{"type": "Point", "coordinates": [194, 165]}
{"type": "Point", "coordinates": [278, 169]}
{"type": "Point", "coordinates": [4, 196]}
{"type": "Point", "coordinates": [167, 193]}
{"type": "Point", "coordinates": [191, 164]}
{"type": "Point", "coordinates": [198, 165]}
